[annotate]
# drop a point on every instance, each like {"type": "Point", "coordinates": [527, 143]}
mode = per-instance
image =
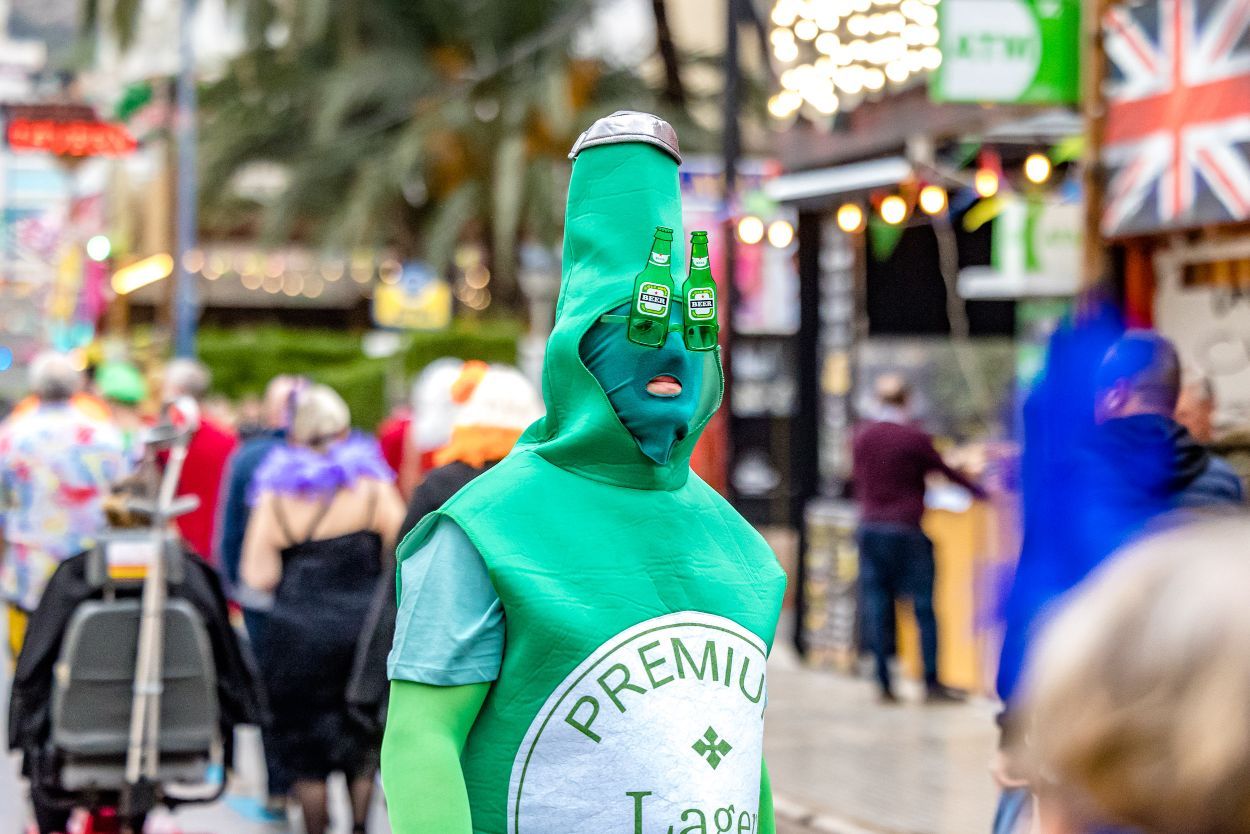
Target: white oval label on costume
{"type": "Point", "coordinates": [660, 730]}
{"type": "Point", "coordinates": [699, 263]}
{"type": "Point", "coordinates": [660, 259]}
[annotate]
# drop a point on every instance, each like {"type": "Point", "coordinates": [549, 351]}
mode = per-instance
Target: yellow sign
{"type": "Point", "coordinates": [417, 301]}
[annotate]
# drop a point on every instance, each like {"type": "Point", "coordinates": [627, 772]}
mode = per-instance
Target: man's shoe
{"type": "Point", "coordinates": [887, 698]}
{"type": "Point", "coordinates": [939, 694]}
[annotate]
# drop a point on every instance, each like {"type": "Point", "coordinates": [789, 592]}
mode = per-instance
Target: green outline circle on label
{"type": "Point", "coordinates": [570, 683]}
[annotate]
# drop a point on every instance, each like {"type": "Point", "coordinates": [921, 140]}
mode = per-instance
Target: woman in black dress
{"type": "Point", "coordinates": [323, 526]}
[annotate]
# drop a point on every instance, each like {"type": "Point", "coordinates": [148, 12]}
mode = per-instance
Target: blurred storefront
{"type": "Point", "coordinates": [936, 236]}
{"type": "Point", "coordinates": [54, 210]}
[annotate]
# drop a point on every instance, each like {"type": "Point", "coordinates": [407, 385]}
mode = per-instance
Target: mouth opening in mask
{"type": "Point", "coordinates": [665, 386]}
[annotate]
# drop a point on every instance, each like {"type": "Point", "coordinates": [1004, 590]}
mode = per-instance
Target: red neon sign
{"type": "Point", "coordinates": [71, 138]}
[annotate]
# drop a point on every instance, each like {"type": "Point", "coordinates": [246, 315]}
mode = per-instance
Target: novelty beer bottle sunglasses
{"type": "Point", "coordinates": [652, 302]}
{"type": "Point", "coordinates": [700, 327]}
{"type": "Point", "coordinates": [653, 293]}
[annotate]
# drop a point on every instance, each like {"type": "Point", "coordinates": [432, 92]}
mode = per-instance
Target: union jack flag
{"type": "Point", "coordinates": [1178, 118]}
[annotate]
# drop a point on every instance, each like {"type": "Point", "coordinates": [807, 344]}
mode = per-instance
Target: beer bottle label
{"type": "Point", "coordinates": [699, 263]}
{"type": "Point", "coordinates": [701, 303]}
{"type": "Point", "coordinates": [660, 258]}
{"type": "Point", "coordinates": [653, 297]}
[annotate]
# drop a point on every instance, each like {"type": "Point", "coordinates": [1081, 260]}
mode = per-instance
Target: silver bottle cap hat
{"type": "Point", "coordinates": [629, 126]}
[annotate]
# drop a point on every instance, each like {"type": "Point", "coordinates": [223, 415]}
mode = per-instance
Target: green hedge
{"type": "Point", "coordinates": [243, 361]}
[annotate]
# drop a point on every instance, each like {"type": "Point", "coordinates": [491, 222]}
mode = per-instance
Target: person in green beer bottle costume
{"type": "Point", "coordinates": [583, 630]}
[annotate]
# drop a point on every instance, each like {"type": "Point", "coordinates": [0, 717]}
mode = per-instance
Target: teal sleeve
{"type": "Point", "coordinates": [768, 822]}
{"type": "Point", "coordinates": [449, 629]}
{"type": "Point", "coordinates": [426, 727]}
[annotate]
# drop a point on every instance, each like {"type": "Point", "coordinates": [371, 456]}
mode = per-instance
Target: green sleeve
{"type": "Point", "coordinates": [426, 727]}
{"type": "Point", "coordinates": [768, 825]}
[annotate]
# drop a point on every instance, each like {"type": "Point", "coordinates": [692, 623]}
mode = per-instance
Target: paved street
{"type": "Point", "coordinates": [840, 764]}
{"type": "Point", "coordinates": [854, 767]}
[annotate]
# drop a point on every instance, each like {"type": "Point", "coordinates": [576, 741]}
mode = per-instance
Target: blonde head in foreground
{"type": "Point", "coordinates": [1139, 693]}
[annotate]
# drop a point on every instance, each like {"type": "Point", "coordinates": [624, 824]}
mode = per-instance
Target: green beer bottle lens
{"type": "Point", "coordinates": [700, 324]}
{"type": "Point", "coordinates": [653, 294]}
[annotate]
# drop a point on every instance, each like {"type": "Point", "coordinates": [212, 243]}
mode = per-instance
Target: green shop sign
{"type": "Point", "coordinates": [1009, 51]}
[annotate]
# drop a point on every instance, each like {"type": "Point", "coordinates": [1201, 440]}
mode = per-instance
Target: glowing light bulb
{"type": "Point", "coordinates": [933, 199]}
{"type": "Point", "coordinates": [827, 104]}
{"type": "Point", "coordinates": [850, 80]}
{"type": "Point", "coordinates": [806, 30]}
{"type": "Point", "coordinates": [750, 230]}
{"type": "Point", "coordinates": [780, 233]}
{"type": "Point", "coordinates": [850, 218]}
{"type": "Point", "coordinates": [894, 209]}
{"type": "Point", "coordinates": [1037, 168]}
{"type": "Point", "coordinates": [897, 72]}
{"type": "Point", "coordinates": [828, 43]}
{"type": "Point", "coordinates": [784, 14]}
{"type": "Point", "coordinates": [874, 79]}
{"type": "Point", "coordinates": [827, 17]}
{"type": "Point", "coordinates": [786, 51]}
{"type": "Point", "coordinates": [985, 182]}
{"type": "Point", "coordinates": [99, 247]}
{"type": "Point", "coordinates": [857, 26]}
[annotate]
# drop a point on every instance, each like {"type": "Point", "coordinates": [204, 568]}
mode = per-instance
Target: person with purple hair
{"type": "Point", "coordinates": [324, 520]}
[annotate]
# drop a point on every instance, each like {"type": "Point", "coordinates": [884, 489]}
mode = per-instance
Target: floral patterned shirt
{"type": "Point", "coordinates": [56, 465]}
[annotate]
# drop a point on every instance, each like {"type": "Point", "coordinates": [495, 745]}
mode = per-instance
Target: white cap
{"type": "Point", "coordinates": [433, 405]}
{"type": "Point", "coordinates": [504, 398]}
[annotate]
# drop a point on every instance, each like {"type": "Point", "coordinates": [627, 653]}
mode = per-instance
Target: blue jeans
{"type": "Point", "coordinates": [896, 562]}
{"type": "Point", "coordinates": [1015, 812]}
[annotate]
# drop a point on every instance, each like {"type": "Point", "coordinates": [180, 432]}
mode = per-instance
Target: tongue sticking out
{"type": "Point", "coordinates": [664, 386]}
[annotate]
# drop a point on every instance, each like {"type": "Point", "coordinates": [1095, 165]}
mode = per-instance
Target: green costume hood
{"type": "Point", "coordinates": [618, 193]}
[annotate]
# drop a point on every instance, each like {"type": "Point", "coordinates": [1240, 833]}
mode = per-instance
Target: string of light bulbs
{"type": "Point", "coordinates": [834, 53]}
{"type": "Point", "coordinates": [933, 199]}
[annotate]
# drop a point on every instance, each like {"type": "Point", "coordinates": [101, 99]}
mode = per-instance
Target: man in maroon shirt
{"type": "Point", "coordinates": [891, 459]}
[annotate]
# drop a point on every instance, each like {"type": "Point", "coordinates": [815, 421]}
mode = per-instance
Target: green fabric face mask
{"type": "Point", "coordinates": [624, 369]}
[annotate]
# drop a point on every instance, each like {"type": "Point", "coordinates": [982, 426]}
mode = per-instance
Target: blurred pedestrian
{"type": "Point", "coordinates": [1139, 693]}
{"type": "Point", "coordinates": [57, 462]}
{"type": "Point", "coordinates": [1195, 410]}
{"type": "Point", "coordinates": [591, 545]}
{"type": "Point", "coordinates": [501, 405]}
{"type": "Point", "coordinates": [434, 406]}
{"type": "Point", "coordinates": [1139, 386]}
{"type": "Point", "coordinates": [324, 521]}
{"type": "Point", "coordinates": [188, 381]}
{"type": "Point", "coordinates": [892, 459]}
{"type": "Point", "coordinates": [277, 411]}
{"type": "Point", "coordinates": [121, 385]}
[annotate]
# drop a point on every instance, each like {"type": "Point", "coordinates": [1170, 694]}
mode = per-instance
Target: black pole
{"type": "Point", "coordinates": [805, 426]}
{"type": "Point", "coordinates": [731, 149]}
